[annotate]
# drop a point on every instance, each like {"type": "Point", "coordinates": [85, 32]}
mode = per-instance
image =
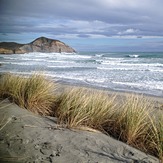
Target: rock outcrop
{"type": "Point", "coordinates": [42, 44]}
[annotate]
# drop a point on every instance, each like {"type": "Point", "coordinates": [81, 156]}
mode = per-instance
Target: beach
{"type": "Point", "coordinates": [28, 137]}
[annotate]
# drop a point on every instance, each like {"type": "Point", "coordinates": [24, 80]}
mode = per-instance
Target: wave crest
{"type": "Point", "coordinates": [133, 55]}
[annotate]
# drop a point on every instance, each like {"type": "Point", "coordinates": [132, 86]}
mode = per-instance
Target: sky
{"type": "Point", "coordinates": [86, 25]}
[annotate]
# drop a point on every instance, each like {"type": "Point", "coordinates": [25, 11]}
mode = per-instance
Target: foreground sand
{"type": "Point", "coordinates": [25, 137]}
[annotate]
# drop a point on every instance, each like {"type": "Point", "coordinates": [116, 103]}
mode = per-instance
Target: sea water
{"type": "Point", "coordinates": [134, 72]}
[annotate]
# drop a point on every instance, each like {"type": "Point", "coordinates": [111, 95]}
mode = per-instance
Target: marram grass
{"type": "Point", "coordinates": [131, 121]}
{"type": "Point", "coordinates": [155, 137]}
{"type": "Point", "coordinates": [86, 107]}
{"type": "Point", "coordinates": [34, 93]}
{"type": "Point", "coordinates": [134, 120]}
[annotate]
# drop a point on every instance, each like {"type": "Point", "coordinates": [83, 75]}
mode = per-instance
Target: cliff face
{"type": "Point", "coordinates": [42, 44]}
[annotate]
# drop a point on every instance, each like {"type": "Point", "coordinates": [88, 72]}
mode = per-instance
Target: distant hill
{"type": "Point", "coordinates": [41, 44]}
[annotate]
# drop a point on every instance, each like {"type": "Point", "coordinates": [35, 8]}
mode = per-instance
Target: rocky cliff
{"type": "Point", "coordinates": [42, 44]}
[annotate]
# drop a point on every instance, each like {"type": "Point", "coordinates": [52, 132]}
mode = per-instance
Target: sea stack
{"type": "Point", "coordinates": [41, 44]}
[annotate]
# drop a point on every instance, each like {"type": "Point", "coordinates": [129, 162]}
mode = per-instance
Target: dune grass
{"type": "Point", "coordinates": [155, 137]}
{"type": "Point", "coordinates": [130, 120]}
{"type": "Point", "coordinates": [34, 93]}
{"type": "Point", "coordinates": [86, 107]}
{"type": "Point", "coordinates": [133, 120]}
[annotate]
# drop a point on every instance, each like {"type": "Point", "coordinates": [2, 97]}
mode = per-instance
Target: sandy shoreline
{"type": "Point", "coordinates": [112, 91]}
{"type": "Point", "coordinates": [158, 100]}
{"type": "Point", "coordinates": [25, 137]}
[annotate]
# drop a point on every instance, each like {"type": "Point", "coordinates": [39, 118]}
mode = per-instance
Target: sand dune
{"type": "Point", "coordinates": [26, 137]}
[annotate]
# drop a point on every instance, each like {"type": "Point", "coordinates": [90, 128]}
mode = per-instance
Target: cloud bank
{"type": "Point", "coordinates": [72, 19]}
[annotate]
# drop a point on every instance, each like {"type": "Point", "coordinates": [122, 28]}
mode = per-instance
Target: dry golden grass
{"type": "Point", "coordinates": [34, 93]}
{"type": "Point", "coordinates": [84, 107]}
{"type": "Point", "coordinates": [133, 120]}
{"type": "Point", "coordinates": [155, 137]}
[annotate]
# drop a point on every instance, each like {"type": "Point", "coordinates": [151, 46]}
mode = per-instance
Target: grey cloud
{"type": "Point", "coordinates": [83, 35]}
{"type": "Point", "coordinates": [17, 16]}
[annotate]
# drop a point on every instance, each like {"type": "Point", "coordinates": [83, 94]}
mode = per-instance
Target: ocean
{"type": "Point", "coordinates": [131, 72]}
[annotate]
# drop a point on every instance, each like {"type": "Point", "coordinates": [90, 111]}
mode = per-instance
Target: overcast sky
{"type": "Point", "coordinates": [86, 25]}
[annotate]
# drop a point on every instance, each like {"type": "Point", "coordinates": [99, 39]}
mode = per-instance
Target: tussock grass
{"type": "Point", "coordinates": [34, 93]}
{"type": "Point", "coordinates": [130, 121]}
{"type": "Point", "coordinates": [133, 120]}
{"type": "Point", "coordinates": [155, 137]}
{"type": "Point", "coordinates": [86, 107]}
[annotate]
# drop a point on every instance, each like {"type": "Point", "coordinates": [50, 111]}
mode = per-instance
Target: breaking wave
{"type": "Point", "coordinates": [133, 55]}
{"type": "Point", "coordinates": [120, 71]}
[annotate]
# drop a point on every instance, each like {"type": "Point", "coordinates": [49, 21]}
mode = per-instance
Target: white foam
{"type": "Point", "coordinates": [145, 84]}
{"type": "Point", "coordinates": [61, 66]}
{"type": "Point", "coordinates": [134, 56]}
{"type": "Point", "coordinates": [74, 56]}
{"type": "Point", "coordinates": [120, 63]}
{"type": "Point", "coordinates": [60, 61]}
{"type": "Point", "coordinates": [5, 62]}
{"type": "Point", "coordinates": [131, 69]}
{"type": "Point", "coordinates": [21, 63]}
{"type": "Point", "coordinates": [99, 55]}
{"type": "Point", "coordinates": [10, 58]}
{"type": "Point", "coordinates": [101, 80]}
{"type": "Point", "coordinates": [62, 76]}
